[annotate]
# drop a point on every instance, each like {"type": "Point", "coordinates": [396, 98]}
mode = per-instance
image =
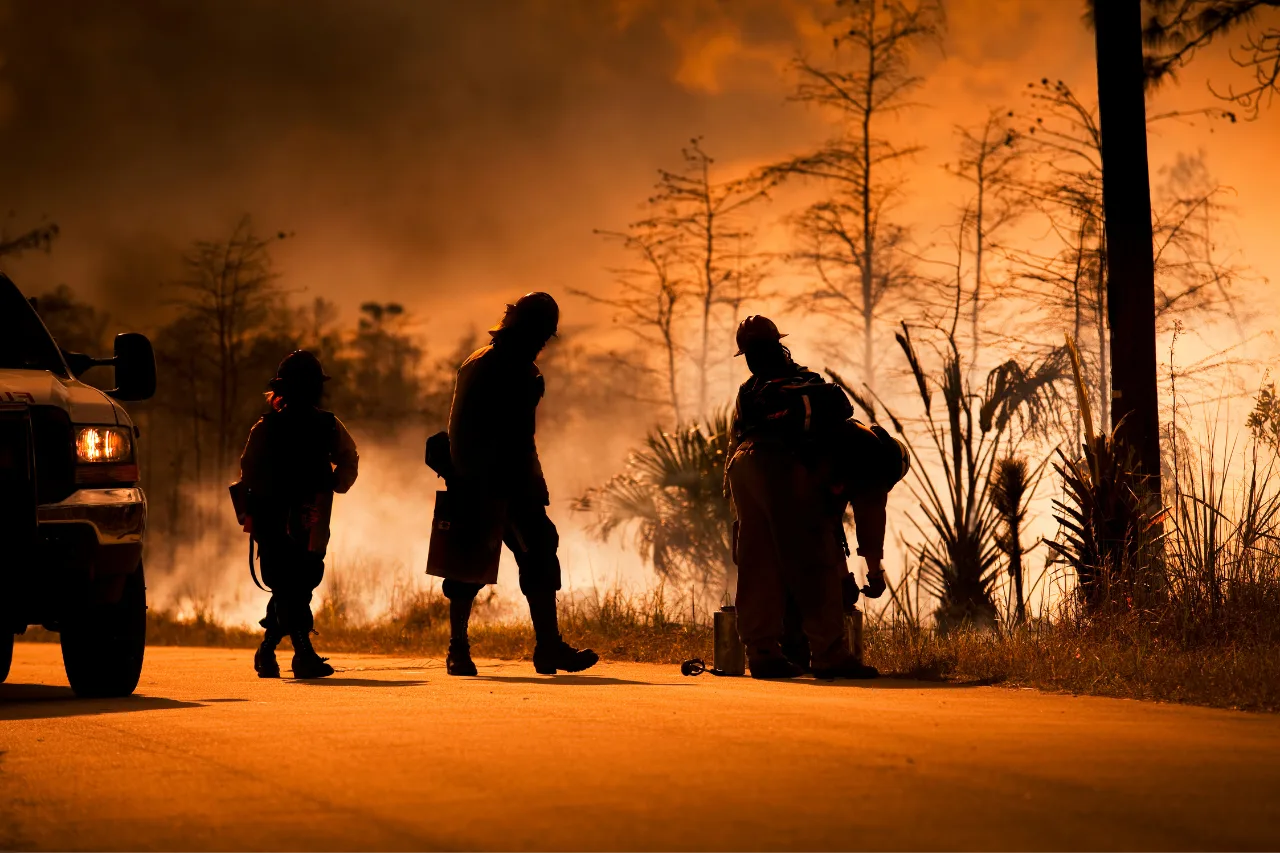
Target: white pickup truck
{"type": "Point", "coordinates": [72, 516]}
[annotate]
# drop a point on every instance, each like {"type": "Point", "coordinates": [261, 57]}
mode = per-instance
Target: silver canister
{"type": "Point", "coordinates": [730, 654]}
{"type": "Point", "coordinates": [853, 633]}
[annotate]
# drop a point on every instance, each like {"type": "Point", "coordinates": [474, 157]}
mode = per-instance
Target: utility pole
{"type": "Point", "coordinates": [1126, 201]}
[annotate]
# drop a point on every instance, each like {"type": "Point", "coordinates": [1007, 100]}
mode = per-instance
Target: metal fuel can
{"type": "Point", "coordinates": [730, 654]}
{"type": "Point", "coordinates": [853, 633]}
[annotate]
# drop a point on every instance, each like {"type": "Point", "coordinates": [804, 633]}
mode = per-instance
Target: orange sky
{"type": "Point", "coordinates": [451, 155]}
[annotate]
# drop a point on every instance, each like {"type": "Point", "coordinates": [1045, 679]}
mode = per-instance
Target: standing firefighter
{"type": "Point", "coordinates": [782, 477]}
{"type": "Point", "coordinates": [296, 457]}
{"type": "Point", "coordinates": [495, 483]}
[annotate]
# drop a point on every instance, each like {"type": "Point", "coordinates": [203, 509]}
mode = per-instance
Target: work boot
{"type": "Point", "coordinates": [264, 659]}
{"type": "Point", "coordinates": [774, 668]}
{"type": "Point", "coordinates": [548, 658]}
{"type": "Point", "coordinates": [458, 661]}
{"type": "Point", "coordinates": [849, 667]}
{"type": "Point", "coordinates": [797, 652]}
{"type": "Point", "coordinates": [306, 663]}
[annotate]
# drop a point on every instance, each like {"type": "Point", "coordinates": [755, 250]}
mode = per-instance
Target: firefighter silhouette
{"type": "Point", "coordinates": [787, 476]}
{"type": "Point", "coordinates": [296, 458]}
{"type": "Point", "coordinates": [493, 474]}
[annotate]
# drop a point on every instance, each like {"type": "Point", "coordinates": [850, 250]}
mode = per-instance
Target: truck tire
{"type": "Point", "coordinates": [102, 647]}
{"type": "Point", "coordinates": [6, 655]}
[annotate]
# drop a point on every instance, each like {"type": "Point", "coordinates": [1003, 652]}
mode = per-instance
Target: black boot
{"type": "Point", "coordinates": [461, 596]}
{"type": "Point", "coordinates": [849, 667]}
{"type": "Point", "coordinates": [459, 661]}
{"type": "Point", "coordinates": [548, 657]}
{"type": "Point", "coordinates": [264, 659]}
{"type": "Point", "coordinates": [774, 667]}
{"type": "Point", "coordinates": [306, 663]}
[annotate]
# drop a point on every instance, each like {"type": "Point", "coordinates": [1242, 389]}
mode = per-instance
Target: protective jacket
{"type": "Point", "coordinates": [496, 490]}
{"type": "Point", "coordinates": [294, 461]}
{"type": "Point", "coordinates": [492, 423]}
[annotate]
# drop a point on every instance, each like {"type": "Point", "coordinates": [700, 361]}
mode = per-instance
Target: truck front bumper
{"type": "Point", "coordinates": [87, 545]}
{"type": "Point", "coordinates": [116, 516]}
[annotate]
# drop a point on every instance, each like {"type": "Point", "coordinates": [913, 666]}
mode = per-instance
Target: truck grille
{"type": "Point", "coordinates": [17, 480]}
{"type": "Point", "coordinates": [54, 453]}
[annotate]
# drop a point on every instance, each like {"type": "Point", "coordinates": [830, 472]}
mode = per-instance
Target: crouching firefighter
{"type": "Point", "coordinates": [296, 458]}
{"type": "Point", "coordinates": [867, 462]}
{"type": "Point", "coordinates": [496, 493]}
{"type": "Point", "coordinates": [788, 536]}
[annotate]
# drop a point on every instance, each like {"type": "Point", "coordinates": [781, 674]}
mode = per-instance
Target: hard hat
{"type": "Point", "coordinates": [535, 312]}
{"type": "Point", "coordinates": [755, 330]}
{"type": "Point", "coordinates": [299, 367]}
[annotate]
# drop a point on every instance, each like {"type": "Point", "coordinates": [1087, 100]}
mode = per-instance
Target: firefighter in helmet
{"type": "Point", "coordinates": [788, 538]}
{"type": "Point", "coordinates": [494, 459]}
{"type": "Point", "coordinates": [296, 458]}
{"type": "Point", "coordinates": [866, 463]}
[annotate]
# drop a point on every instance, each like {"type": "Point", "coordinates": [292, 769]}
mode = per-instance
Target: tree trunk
{"type": "Point", "coordinates": [868, 236]}
{"type": "Point", "coordinates": [1015, 569]}
{"type": "Point", "coordinates": [1126, 200]}
{"type": "Point", "coordinates": [979, 238]}
{"type": "Point", "coordinates": [671, 376]}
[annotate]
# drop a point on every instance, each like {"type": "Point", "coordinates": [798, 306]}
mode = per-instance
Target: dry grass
{"type": "Point", "coordinates": [1090, 661]}
{"type": "Point", "coordinates": [618, 625]}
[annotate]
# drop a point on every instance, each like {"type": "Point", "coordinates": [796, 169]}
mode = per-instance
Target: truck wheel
{"type": "Point", "coordinates": [6, 655]}
{"type": "Point", "coordinates": [102, 647]}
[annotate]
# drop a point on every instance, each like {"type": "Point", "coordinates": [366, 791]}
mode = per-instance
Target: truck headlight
{"type": "Point", "coordinates": [103, 444]}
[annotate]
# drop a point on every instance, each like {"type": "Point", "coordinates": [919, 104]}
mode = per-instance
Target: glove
{"type": "Point", "coordinates": [875, 583]}
{"type": "Point", "coordinates": [849, 591]}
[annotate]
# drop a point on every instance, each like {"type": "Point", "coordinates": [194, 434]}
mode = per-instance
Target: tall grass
{"type": "Point", "coordinates": [1222, 557]}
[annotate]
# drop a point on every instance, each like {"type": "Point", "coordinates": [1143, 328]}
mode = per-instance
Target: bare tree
{"type": "Point", "coordinates": [228, 296]}
{"type": "Point", "coordinates": [1067, 276]}
{"type": "Point", "coordinates": [1176, 29]}
{"type": "Point", "coordinates": [702, 215]}
{"type": "Point", "coordinates": [651, 297]}
{"type": "Point", "coordinates": [990, 160]}
{"type": "Point", "coordinates": [852, 243]}
{"type": "Point", "coordinates": [1192, 273]}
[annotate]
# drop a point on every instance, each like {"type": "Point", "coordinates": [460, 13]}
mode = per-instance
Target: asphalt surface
{"type": "Point", "coordinates": [393, 754]}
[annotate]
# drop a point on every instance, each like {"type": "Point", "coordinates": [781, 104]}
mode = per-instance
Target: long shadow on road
{"type": "Point", "coordinates": [44, 701]}
{"type": "Point", "coordinates": [893, 682]}
{"type": "Point", "coordinates": [355, 682]}
{"type": "Point", "coordinates": [567, 680]}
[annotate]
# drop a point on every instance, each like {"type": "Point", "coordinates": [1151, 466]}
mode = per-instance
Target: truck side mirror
{"type": "Point", "coordinates": [135, 364]}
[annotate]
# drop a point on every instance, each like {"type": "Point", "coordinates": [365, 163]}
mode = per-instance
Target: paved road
{"type": "Point", "coordinates": [393, 754]}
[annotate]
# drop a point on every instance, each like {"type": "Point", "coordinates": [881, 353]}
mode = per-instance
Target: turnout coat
{"type": "Point", "coordinates": [496, 473]}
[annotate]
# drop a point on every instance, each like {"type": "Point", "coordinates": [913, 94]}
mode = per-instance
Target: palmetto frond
{"type": "Point", "coordinates": [671, 499]}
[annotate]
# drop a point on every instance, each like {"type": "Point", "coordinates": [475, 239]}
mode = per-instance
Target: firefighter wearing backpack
{"type": "Point", "coordinates": [296, 458]}
{"type": "Point", "coordinates": [867, 462]}
{"type": "Point", "coordinates": [783, 481]}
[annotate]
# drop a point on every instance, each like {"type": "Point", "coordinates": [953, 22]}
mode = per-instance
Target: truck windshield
{"type": "Point", "coordinates": [24, 342]}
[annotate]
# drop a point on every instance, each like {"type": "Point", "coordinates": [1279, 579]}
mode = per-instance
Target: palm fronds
{"type": "Point", "coordinates": [1109, 535]}
{"type": "Point", "coordinates": [958, 550]}
{"type": "Point", "coordinates": [671, 498]}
